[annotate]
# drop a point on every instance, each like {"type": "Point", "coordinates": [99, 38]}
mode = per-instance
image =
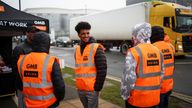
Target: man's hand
{"type": "Point", "coordinates": [97, 92]}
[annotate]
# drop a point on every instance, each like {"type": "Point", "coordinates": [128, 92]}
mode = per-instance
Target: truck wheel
{"type": "Point", "coordinates": [72, 45]}
{"type": "Point", "coordinates": [124, 48]}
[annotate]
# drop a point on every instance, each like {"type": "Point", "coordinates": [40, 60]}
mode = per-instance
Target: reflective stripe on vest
{"type": "Point", "coordinates": [22, 65]}
{"type": "Point", "coordinates": [172, 47]}
{"type": "Point", "coordinates": [85, 75]}
{"type": "Point", "coordinates": [40, 97]}
{"type": "Point", "coordinates": [168, 77]}
{"type": "Point", "coordinates": [161, 57]}
{"type": "Point", "coordinates": [44, 75]}
{"type": "Point", "coordinates": [169, 65]}
{"type": "Point", "coordinates": [90, 61]}
{"type": "Point", "coordinates": [84, 64]}
{"type": "Point", "coordinates": [147, 87]}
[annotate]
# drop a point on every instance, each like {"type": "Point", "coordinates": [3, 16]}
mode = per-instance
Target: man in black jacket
{"type": "Point", "coordinates": [91, 67]}
{"type": "Point", "coordinates": [41, 45]}
{"type": "Point", "coordinates": [25, 47]}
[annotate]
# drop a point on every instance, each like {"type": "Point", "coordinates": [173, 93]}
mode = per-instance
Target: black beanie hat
{"type": "Point", "coordinates": [157, 34]}
{"type": "Point", "coordinates": [41, 42]}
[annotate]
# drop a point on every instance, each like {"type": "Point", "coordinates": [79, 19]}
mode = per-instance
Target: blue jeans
{"type": "Point", "coordinates": [89, 99]}
{"type": "Point", "coordinates": [164, 100]}
{"type": "Point", "coordinates": [21, 102]}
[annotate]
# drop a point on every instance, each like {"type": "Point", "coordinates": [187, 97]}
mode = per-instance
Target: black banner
{"type": "Point", "coordinates": [30, 73]}
{"type": "Point", "coordinates": [152, 62]}
{"type": "Point", "coordinates": [167, 56]}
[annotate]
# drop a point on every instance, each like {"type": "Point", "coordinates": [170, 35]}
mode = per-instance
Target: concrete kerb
{"type": "Point", "coordinates": [183, 97]}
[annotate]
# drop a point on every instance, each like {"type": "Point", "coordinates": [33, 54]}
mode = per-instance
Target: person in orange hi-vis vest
{"type": "Point", "coordinates": [90, 66]}
{"type": "Point", "coordinates": [167, 49]}
{"type": "Point", "coordinates": [40, 75]}
{"type": "Point", "coordinates": [143, 73]}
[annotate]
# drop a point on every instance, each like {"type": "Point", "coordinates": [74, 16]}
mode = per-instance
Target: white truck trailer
{"type": "Point", "coordinates": [114, 28]}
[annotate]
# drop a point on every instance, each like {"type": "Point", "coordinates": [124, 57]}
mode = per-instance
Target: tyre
{"type": "Point", "coordinates": [124, 48]}
{"type": "Point", "coordinates": [72, 45]}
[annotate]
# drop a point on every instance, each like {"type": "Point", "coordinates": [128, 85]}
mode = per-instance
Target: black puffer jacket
{"type": "Point", "coordinates": [41, 44]}
{"type": "Point", "coordinates": [100, 62]}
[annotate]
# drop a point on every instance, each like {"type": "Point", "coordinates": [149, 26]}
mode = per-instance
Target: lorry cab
{"type": "Point", "coordinates": [177, 23]}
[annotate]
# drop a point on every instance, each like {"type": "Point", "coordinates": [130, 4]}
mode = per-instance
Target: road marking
{"type": "Point", "coordinates": [70, 66]}
{"type": "Point", "coordinates": [183, 63]}
{"type": "Point", "coordinates": [15, 99]}
{"type": "Point", "coordinates": [113, 78]}
{"type": "Point", "coordinates": [182, 97]}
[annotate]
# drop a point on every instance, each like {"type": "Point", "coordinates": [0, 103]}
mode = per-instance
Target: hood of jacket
{"type": "Point", "coordinates": [41, 42]}
{"type": "Point", "coordinates": [141, 33]}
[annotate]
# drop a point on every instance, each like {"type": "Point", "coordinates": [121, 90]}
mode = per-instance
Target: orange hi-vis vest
{"type": "Point", "coordinates": [85, 70]}
{"type": "Point", "coordinates": [146, 92]}
{"type": "Point", "coordinates": [35, 71]}
{"type": "Point", "coordinates": [168, 55]}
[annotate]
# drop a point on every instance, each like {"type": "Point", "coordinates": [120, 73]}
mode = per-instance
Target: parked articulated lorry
{"type": "Point", "coordinates": [114, 28]}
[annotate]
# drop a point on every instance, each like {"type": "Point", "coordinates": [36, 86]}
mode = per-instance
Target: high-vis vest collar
{"type": "Point", "coordinates": [85, 71]}
{"type": "Point", "coordinates": [146, 92]}
{"type": "Point", "coordinates": [168, 55]}
{"type": "Point", "coordinates": [35, 70]}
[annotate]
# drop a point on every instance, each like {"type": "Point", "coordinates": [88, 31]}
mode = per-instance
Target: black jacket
{"type": "Point", "coordinates": [100, 62]}
{"type": "Point", "coordinates": [41, 43]}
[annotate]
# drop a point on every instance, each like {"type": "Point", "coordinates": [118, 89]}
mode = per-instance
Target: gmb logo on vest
{"type": "Point", "coordinates": [165, 50]}
{"type": "Point", "coordinates": [152, 55]}
{"type": "Point", "coordinates": [85, 58]}
{"type": "Point", "coordinates": [29, 73]}
{"type": "Point", "coordinates": [31, 66]}
{"type": "Point", "coordinates": [152, 62]}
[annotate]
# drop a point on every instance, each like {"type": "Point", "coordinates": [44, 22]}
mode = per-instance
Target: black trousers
{"type": "Point", "coordinates": [127, 105]}
{"type": "Point", "coordinates": [164, 99]}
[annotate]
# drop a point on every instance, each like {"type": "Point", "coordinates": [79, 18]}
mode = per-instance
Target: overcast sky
{"type": "Point", "coordinates": [68, 4]}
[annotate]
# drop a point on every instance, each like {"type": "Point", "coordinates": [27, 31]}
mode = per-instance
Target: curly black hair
{"type": "Point", "coordinates": [82, 25]}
